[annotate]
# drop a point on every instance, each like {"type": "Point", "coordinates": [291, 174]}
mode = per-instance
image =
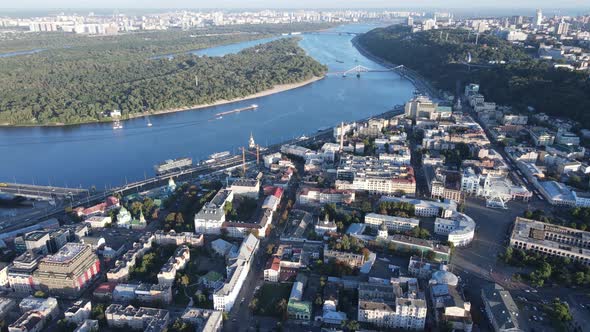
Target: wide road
{"type": "Point", "coordinates": [29, 190]}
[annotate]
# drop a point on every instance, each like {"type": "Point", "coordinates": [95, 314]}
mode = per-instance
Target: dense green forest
{"type": "Point", "coordinates": [522, 81]}
{"type": "Point", "coordinates": [77, 84]}
{"type": "Point", "coordinates": [152, 42]}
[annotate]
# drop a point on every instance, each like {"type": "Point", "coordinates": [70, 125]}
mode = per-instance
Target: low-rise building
{"type": "Point", "coordinates": [422, 268]}
{"type": "Point", "coordinates": [459, 228]}
{"type": "Point", "coordinates": [37, 241]}
{"type": "Point", "coordinates": [321, 196]}
{"type": "Point", "coordinates": [210, 219]}
{"type": "Point", "coordinates": [20, 272]}
{"type": "Point", "coordinates": [423, 208]}
{"type": "Point", "coordinates": [246, 187]}
{"type": "Point", "coordinates": [175, 263]}
{"type": "Point", "coordinates": [36, 313]}
{"type": "Point", "coordinates": [348, 258]}
{"type": "Point", "coordinates": [7, 306]}
{"type": "Point", "coordinates": [556, 193]}
{"type": "Point", "coordinates": [78, 312]}
{"type": "Point", "coordinates": [541, 136]}
{"type": "Point", "coordinates": [325, 226]}
{"type": "Point", "coordinates": [551, 240]}
{"type": "Point", "coordinates": [500, 309]}
{"type": "Point", "coordinates": [392, 308]}
{"type": "Point", "coordinates": [98, 221]}
{"type": "Point", "coordinates": [393, 223]}
{"type": "Point", "coordinates": [225, 297]}
{"type": "Point", "coordinates": [203, 320]}
{"type": "Point", "coordinates": [272, 269]}
{"type": "Point", "coordinates": [173, 238]}
{"type": "Point", "coordinates": [146, 319]}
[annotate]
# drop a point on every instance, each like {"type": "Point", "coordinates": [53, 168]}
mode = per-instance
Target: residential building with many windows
{"type": "Point", "coordinates": [551, 240]}
{"type": "Point", "coordinates": [393, 223]}
{"type": "Point", "coordinates": [386, 306]}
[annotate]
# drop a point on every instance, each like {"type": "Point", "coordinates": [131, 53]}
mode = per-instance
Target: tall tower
{"type": "Point", "coordinates": [538, 18]}
{"type": "Point", "coordinates": [252, 143]}
{"type": "Point", "coordinates": [342, 137]}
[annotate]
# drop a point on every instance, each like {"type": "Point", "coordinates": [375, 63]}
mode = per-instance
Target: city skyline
{"type": "Point", "coordinates": [261, 4]}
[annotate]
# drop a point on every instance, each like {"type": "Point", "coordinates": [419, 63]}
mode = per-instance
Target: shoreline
{"type": "Point", "coordinates": [274, 90]}
{"type": "Point", "coordinates": [419, 82]}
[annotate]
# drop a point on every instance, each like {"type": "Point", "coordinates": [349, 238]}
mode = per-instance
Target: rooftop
{"type": "Point", "coordinates": [67, 253]}
{"type": "Point", "coordinates": [502, 306]}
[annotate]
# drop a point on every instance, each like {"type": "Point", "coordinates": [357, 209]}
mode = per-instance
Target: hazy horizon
{"type": "Point", "coordinates": [311, 4]}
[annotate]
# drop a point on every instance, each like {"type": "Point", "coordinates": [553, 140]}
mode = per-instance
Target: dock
{"type": "Point", "coordinates": [238, 110]}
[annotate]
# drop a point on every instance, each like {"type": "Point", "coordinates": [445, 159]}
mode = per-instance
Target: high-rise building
{"type": "Point", "coordinates": [562, 28]}
{"type": "Point", "coordinates": [538, 18]}
{"type": "Point", "coordinates": [68, 271]}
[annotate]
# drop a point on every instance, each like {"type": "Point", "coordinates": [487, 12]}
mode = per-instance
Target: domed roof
{"type": "Point", "coordinates": [445, 278]}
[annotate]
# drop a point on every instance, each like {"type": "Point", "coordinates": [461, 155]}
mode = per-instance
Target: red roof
{"type": "Point", "coordinates": [93, 209]}
{"type": "Point", "coordinates": [112, 201]}
{"type": "Point", "coordinates": [105, 288]}
{"type": "Point", "coordinates": [278, 192]}
{"type": "Point", "coordinates": [274, 264]}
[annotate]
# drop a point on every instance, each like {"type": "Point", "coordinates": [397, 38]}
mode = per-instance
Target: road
{"type": "Point", "coordinates": [43, 192]}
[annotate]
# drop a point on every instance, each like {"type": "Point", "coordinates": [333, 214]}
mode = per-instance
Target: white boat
{"type": "Point", "coordinates": [117, 125]}
{"type": "Point", "coordinates": [149, 122]}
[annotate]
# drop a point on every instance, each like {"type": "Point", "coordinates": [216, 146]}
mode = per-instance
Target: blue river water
{"type": "Point", "coordinates": [96, 155]}
{"type": "Point", "coordinates": [11, 54]}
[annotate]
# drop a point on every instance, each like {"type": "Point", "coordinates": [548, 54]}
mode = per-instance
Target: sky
{"type": "Point", "coordinates": [44, 4]}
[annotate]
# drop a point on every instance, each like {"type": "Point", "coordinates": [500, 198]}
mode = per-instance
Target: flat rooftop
{"type": "Point", "coordinates": [67, 253]}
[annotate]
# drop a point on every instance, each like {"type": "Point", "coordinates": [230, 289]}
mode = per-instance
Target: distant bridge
{"type": "Point", "coordinates": [40, 192]}
{"type": "Point", "coordinates": [362, 69]}
{"type": "Point", "coordinates": [337, 33]}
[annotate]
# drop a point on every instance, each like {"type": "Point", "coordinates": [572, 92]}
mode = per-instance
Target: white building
{"type": "Point", "coordinates": [225, 298]}
{"type": "Point", "coordinates": [144, 319]}
{"type": "Point", "coordinates": [212, 216]}
{"type": "Point", "coordinates": [78, 312]}
{"type": "Point", "coordinates": [98, 221]}
{"type": "Point", "coordinates": [423, 208]}
{"type": "Point", "coordinates": [551, 240]}
{"type": "Point", "coordinates": [459, 228]}
{"type": "Point", "coordinates": [403, 313]}
{"type": "Point", "coordinates": [321, 227]}
{"type": "Point", "coordinates": [393, 223]}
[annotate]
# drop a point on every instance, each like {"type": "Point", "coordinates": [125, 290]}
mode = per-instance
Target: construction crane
{"type": "Point", "coordinates": [254, 153]}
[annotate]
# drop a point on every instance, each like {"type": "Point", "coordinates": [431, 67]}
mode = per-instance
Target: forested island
{"type": "Point", "coordinates": [83, 82]}
{"type": "Point", "coordinates": [520, 81]}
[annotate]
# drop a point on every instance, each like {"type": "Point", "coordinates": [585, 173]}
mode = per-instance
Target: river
{"type": "Point", "coordinates": [96, 155]}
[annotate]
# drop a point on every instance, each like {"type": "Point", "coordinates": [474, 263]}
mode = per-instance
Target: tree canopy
{"type": "Point", "coordinates": [84, 83]}
{"type": "Point", "coordinates": [520, 82]}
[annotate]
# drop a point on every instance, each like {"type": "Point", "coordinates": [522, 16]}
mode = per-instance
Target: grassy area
{"type": "Point", "coordinates": [269, 297]}
{"type": "Point", "coordinates": [201, 262]}
{"type": "Point", "coordinates": [149, 265]}
{"type": "Point", "coordinates": [241, 209]}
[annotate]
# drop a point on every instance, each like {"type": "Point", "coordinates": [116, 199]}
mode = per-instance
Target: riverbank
{"type": "Point", "coordinates": [276, 89]}
{"type": "Point", "coordinates": [421, 83]}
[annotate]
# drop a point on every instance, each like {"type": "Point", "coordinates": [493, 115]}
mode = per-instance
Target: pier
{"type": "Point", "coordinates": [238, 110]}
